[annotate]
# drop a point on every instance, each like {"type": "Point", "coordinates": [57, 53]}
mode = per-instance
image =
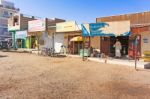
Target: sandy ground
{"type": "Point", "coordinates": [27, 76]}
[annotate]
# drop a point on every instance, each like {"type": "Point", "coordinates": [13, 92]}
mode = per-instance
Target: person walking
{"type": "Point", "coordinates": [118, 48]}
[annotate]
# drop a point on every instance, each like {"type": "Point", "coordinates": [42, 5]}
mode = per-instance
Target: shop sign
{"type": "Point", "coordinates": [37, 26]}
{"type": "Point", "coordinates": [86, 45]}
{"type": "Point", "coordinates": [66, 26]}
{"type": "Point", "coordinates": [118, 28]}
{"type": "Point", "coordinates": [145, 40]}
{"type": "Point", "coordinates": [21, 34]}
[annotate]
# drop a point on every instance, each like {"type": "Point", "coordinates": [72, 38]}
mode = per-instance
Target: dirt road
{"type": "Point", "coordinates": [27, 76]}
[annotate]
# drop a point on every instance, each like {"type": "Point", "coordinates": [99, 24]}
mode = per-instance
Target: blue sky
{"type": "Point", "coordinates": [82, 11]}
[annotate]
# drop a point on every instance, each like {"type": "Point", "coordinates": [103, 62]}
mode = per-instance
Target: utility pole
{"type": "Point", "coordinates": [53, 41]}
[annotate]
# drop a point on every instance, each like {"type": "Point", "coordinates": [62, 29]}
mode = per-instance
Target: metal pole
{"type": "Point", "coordinates": [83, 48]}
{"type": "Point", "coordinates": [38, 44]}
{"type": "Point", "coordinates": [53, 43]}
{"type": "Point", "coordinates": [135, 58]}
{"type": "Point", "coordinates": [136, 53]}
{"type": "Point", "coordinates": [14, 39]}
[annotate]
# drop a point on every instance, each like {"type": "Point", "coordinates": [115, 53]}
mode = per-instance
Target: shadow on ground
{"type": "Point", "coordinates": [2, 56]}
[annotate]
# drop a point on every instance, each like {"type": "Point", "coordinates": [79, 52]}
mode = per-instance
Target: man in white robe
{"type": "Point", "coordinates": [118, 48]}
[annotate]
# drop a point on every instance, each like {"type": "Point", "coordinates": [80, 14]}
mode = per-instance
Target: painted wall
{"type": "Point", "coordinates": [66, 26]}
{"type": "Point", "coordinates": [36, 25]}
{"type": "Point", "coordinates": [116, 28]}
{"type": "Point", "coordinates": [135, 18]}
{"type": "Point", "coordinates": [95, 42]}
{"type": "Point", "coordinates": [59, 41]}
{"type": "Point", "coordinates": [48, 42]}
{"type": "Point", "coordinates": [145, 42]}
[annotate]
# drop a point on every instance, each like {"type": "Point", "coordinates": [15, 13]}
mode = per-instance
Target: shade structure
{"type": "Point", "coordinates": [77, 39]}
{"type": "Point", "coordinates": [115, 28]}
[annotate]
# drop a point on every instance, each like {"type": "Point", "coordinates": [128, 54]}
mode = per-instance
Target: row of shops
{"type": "Point", "coordinates": [96, 38]}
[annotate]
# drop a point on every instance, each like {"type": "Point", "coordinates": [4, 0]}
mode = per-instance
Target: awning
{"type": "Point", "coordinates": [35, 33]}
{"type": "Point", "coordinates": [118, 28]}
{"type": "Point", "coordinates": [77, 39]}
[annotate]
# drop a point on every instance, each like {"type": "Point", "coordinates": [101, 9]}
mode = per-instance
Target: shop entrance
{"type": "Point", "coordinates": [20, 43]}
{"type": "Point", "coordinates": [107, 45]}
{"type": "Point", "coordinates": [74, 47]}
{"type": "Point", "coordinates": [33, 42]}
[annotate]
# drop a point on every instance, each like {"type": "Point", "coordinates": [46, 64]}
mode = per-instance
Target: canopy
{"type": "Point", "coordinates": [77, 39]}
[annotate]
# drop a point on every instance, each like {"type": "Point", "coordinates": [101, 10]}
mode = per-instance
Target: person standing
{"type": "Point", "coordinates": [118, 48]}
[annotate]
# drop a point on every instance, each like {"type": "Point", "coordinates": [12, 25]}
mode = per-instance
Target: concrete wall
{"type": "Point", "coordinates": [95, 42]}
{"type": "Point", "coordinates": [135, 18]}
{"type": "Point", "coordinates": [4, 14]}
{"type": "Point", "coordinates": [24, 22]}
{"type": "Point", "coordinates": [59, 41]}
{"type": "Point", "coordinates": [52, 23]}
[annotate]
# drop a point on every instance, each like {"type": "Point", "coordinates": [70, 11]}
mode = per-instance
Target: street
{"type": "Point", "coordinates": [29, 76]}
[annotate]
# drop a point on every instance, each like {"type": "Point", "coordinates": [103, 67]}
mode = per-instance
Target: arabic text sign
{"type": "Point", "coordinates": [66, 26]}
{"type": "Point", "coordinates": [37, 25]}
{"type": "Point", "coordinates": [21, 34]}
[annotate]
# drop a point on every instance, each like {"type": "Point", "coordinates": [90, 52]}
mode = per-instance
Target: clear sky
{"type": "Point", "coordinates": [82, 11]}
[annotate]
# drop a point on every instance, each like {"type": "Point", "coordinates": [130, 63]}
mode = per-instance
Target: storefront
{"type": "Point", "coordinates": [43, 33]}
{"type": "Point", "coordinates": [36, 29]}
{"type": "Point", "coordinates": [107, 45]}
{"type": "Point", "coordinates": [142, 33]}
{"type": "Point", "coordinates": [109, 33]}
{"type": "Point", "coordinates": [20, 39]}
{"type": "Point", "coordinates": [17, 25]}
{"type": "Point", "coordinates": [72, 36]}
{"type": "Point", "coordinates": [73, 42]}
{"type": "Point", "coordinates": [139, 38]}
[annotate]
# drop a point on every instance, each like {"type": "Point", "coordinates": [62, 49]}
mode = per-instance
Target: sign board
{"type": "Point", "coordinates": [21, 34]}
{"type": "Point", "coordinates": [66, 26]}
{"type": "Point", "coordinates": [86, 45]}
{"type": "Point", "coordinates": [119, 28]}
{"type": "Point", "coordinates": [145, 40]}
{"type": "Point", "coordinates": [37, 25]}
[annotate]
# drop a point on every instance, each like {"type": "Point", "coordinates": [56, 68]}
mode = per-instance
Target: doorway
{"type": "Point", "coordinates": [107, 45]}
{"type": "Point", "coordinates": [20, 43]}
{"type": "Point", "coordinates": [74, 47]}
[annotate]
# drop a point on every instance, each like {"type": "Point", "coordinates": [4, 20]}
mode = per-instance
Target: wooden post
{"type": "Point", "coordinates": [78, 47]}
{"type": "Point", "coordinates": [73, 46]}
{"type": "Point", "coordinates": [106, 58]}
{"type": "Point", "coordinates": [89, 41]}
{"type": "Point", "coordinates": [30, 42]}
{"type": "Point", "coordinates": [53, 36]}
{"type": "Point", "coordinates": [38, 45]}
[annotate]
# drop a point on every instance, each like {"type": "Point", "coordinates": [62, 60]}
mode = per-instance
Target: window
{"type": "Point", "coordinates": [5, 14]}
{"type": "Point", "coordinates": [16, 21]}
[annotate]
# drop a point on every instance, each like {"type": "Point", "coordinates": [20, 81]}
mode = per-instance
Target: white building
{"type": "Point", "coordinates": [7, 9]}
